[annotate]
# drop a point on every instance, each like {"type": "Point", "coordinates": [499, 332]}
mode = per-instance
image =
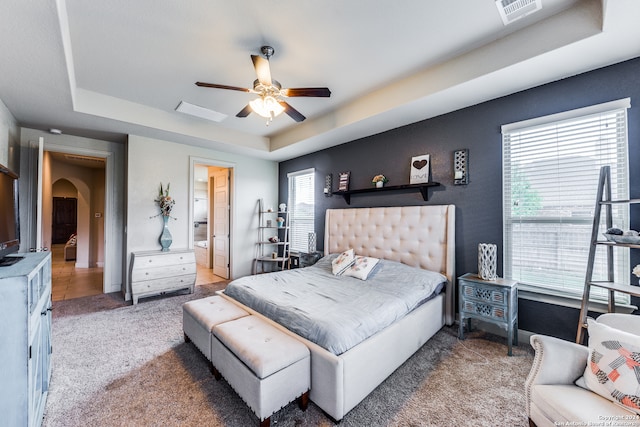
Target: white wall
{"type": "Point", "coordinates": [9, 140]}
{"type": "Point", "coordinates": [151, 162]}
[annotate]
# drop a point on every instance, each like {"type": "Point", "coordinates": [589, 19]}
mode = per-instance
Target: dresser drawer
{"type": "Point", "coordinates": [163, 284]}
{"type": "Point", "coordinates": [147, 272]}
{"type": "Point", "coordinates": [485, 293]}
{"type": "Point", "coordinates": [165, 259]}
{"type": "Point", "coordinates": [486, 310]}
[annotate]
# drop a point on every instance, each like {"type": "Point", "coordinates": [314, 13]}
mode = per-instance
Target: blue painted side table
{"type": "Point", "coordinates": [494, 301]}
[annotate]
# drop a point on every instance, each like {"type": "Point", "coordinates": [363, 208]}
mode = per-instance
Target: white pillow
{"type": "Point", "coordinates": [361, 267]}
{"type": "Point", "coordinates": [613, 368]}
{"type": "Point", "coordinates": [342, 262]}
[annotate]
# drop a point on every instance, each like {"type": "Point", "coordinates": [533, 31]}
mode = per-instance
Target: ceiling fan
{"type": "Point", "coordinates": [269, 103]}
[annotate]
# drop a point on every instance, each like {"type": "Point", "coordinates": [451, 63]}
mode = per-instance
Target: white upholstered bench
{"type": "Point", "coordinates": [200, 316]}
{"type": "Point", "coordinates": [264, 365]}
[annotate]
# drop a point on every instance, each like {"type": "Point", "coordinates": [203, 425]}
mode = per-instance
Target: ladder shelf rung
{"type": "Point", "coordinates": [623, 245]}
{"type": "Point", "coordinates": [613, 202]}
{"type": "Point", "coordinates": [618, 287]}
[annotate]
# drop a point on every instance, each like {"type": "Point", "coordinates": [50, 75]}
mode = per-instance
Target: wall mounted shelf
{"type": "Point", "coordinates": [423, 188]}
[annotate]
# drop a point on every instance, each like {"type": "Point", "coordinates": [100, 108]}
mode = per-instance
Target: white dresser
{"type": "Point", "coordinates": [157, 272]}
{"type": "Point", "coordinates": [25, 339]}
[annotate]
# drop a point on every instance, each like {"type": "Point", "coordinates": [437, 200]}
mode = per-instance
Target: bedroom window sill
{"type": "Point", "coordinates": [533, 294]}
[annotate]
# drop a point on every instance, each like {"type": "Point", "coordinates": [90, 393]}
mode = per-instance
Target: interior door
{"type": "Point", "coordinates": [65, 219]}
{"type": "Point", "coordinates": [220, 228]}
{"type": "Point", "coordinates": [39, 194]}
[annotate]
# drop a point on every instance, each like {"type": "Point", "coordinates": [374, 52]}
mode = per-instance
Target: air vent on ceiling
{"type": "Point", "coordinates": [512, 10]}
{"type": "Point", "coordinates": [203, 113]}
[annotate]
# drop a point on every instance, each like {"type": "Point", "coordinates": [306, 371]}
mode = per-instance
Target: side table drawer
{"type": "Point", "coordinates": [485, 293]}
{"type": "Point", "coordinates": [487, 310]}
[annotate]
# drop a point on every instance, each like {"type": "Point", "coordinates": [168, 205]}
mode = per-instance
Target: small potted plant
{"type": "Point", "coordinates": [379, 180]}
{"type": "Point", "coordinates": [280, 221]}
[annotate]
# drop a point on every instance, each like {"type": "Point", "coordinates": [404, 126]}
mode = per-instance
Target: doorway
{"type": "Point", "coordinates": [211, 209]}
{"type": "Point", "coordinates": [73, 223]}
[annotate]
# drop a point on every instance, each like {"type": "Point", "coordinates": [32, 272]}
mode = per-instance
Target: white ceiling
{"type": "Point", "coordinates": [111, 68]}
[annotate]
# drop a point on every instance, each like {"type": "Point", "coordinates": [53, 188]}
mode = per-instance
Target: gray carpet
{"type": "Point", "coordinates": [115, 364]}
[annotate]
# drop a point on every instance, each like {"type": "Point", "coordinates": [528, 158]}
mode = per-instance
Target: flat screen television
{"type": "Point", "coordinates": [9, 216]}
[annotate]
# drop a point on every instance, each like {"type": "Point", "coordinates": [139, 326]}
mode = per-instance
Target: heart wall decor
{"type": "Point", "coordinates": [419, 169]}
{"type": "Point", "coordinates": [419, 164]}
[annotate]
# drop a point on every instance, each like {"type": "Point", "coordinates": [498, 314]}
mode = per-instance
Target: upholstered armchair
{"type": "Point", "coordinates": [552, 396]}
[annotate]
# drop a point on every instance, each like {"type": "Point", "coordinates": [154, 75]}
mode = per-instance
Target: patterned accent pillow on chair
{"type": "Point", "coordinates": [613, 368]}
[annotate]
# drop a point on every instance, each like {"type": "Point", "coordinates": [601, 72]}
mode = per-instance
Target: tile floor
{"type": "Point", "coordinates": [68, 282]}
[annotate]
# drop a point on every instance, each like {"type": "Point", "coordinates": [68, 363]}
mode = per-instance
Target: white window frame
{"type": "Point", "coordinates": [515, 256]}
{"type": "Point", "coordinates": [301, 222]}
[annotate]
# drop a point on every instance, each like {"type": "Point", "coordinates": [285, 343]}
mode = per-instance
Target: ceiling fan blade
{"type": "Point", "coordinates": [292, 112]}
{"type": "Point", "coordinates": [215, 86]}
{"type": "Point", "coordinates": [322, 92]}
{"type": "Point", "coordinates": [245, 111]}
{"type": "Point", "coordinates": [262, 69]}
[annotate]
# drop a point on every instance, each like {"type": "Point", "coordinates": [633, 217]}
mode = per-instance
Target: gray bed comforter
{"type": "Point", "coordinates": [337, 312]}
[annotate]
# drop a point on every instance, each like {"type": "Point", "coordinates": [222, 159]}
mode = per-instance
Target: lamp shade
{"type": "Point", "coordinates": [266, 107]}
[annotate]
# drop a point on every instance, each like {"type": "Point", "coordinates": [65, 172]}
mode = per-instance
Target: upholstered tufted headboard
{"type": "Point", "coordinates": [419, 236]}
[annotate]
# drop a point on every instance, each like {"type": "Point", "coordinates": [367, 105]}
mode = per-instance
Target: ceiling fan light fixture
{"type": "Point", "coordinates": [267, 107]}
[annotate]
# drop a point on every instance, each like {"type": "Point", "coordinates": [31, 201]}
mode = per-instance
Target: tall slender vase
{"type": "Point", "coordinates": [487, 261]}
{"type": "Point", "coordinates": [165, 237]}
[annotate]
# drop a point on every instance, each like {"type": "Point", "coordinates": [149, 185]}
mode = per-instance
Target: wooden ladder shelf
{"type": "Point", "coordinates": [603, 198]}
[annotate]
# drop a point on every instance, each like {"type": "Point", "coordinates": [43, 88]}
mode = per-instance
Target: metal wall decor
{"type": "Point", "coordinates": [328, 184]}
{"type": "Point", "coordinates": [461, 167]}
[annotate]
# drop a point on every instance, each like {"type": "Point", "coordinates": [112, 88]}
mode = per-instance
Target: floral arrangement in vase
{"type": "Point", "coordinates": [379, 180]}
{"type": "Point", "coordinates": [165, 202]}
{"type": "Point", "coordinates": [280, 221]}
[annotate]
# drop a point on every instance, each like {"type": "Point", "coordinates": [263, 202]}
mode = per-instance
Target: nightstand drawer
{"type": "Point", "coordinates": [487, 310]}
{"type": "Point", "coordinates": [482, 293]}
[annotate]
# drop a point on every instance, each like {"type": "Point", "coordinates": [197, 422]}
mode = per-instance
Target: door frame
{"type": "Point", "coordinates": [193, 161]}
{"type": "Point", "coordinates": [109, 170]}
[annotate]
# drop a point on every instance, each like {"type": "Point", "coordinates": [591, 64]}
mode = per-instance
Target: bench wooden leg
{"type": "Point", "coordinates": [216, 374]}
{"type": "Point", "coordinates": [266, 422]}
{"type": "Point", "coordinates": [303, 401]}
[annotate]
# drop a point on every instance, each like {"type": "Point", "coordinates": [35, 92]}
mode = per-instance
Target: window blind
{"type": "Point", "coordinates": [301, 208]}
{"type": "Point", "coordinates": [551, 167]}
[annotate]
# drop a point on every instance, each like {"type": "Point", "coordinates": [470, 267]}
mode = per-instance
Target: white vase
{"type": "Point", "coordinates": [487, 261]}
{"type": "Point", "coordinates": [379, 184]}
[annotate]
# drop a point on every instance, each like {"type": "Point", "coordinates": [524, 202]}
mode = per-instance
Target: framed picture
{"type": "Point", "coordinates": [343, 185]}
{"type": "Point", "coordinates": [419, 169]}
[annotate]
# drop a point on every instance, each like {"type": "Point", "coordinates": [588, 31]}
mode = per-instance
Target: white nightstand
{"type": "Point", "coordinates": [494, 301]}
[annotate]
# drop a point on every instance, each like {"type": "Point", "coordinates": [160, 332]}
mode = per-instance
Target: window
{"type": "Point", "coordinates": [551, 167]}
{"type": "Point", "coordinates": [301, 208]}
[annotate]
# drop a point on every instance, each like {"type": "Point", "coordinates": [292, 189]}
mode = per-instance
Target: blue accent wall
{"type": "Point", "coordinates": [478, 204]}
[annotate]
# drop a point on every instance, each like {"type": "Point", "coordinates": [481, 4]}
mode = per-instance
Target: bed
{"type": "Point", "coordinates": [417, 236]}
